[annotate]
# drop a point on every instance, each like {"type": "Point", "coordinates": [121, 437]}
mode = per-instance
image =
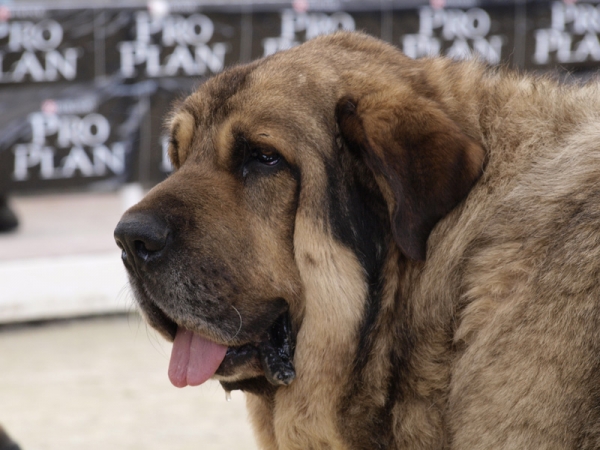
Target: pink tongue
{"type": "Point", "coordinates": [193, 359]}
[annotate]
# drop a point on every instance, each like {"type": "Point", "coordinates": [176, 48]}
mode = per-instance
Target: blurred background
{"type": "Point", "coordinates": [84, 90]}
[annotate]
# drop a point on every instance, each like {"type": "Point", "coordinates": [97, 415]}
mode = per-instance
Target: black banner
{"type": "Point", "coordinates": [563, 34]}
{"type": "Point", "coordinates": [486, 32]}
{"type": "Point", "coordinates": [276, 31]}
{"type": "Point", "coordinates": [40, 46]}
{"type": "Point", "coordinates": [184, 42]}
{"type": "Point", "coordinates": [80, 134]}
{"type": "Point", "coordinates": [84, 92]}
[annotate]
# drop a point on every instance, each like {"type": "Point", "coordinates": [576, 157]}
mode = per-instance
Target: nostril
{"type": "Point", "coordinates": [145, 249]}
{"type": "Point", "coordinates": [141, 250]}
{"type": "Point", "coordinates": [152, 243]}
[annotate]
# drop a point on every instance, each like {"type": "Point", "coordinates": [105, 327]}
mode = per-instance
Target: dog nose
{"type": "Point", "coordinates": [143, 237]}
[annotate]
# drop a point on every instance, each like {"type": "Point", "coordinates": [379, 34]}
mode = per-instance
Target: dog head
{"type": "Point", "coordinates": [339, 142]}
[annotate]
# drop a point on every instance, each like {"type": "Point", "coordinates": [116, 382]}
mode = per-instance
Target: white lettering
{"type": "Point", "coordinates": [65, 64]}
{"type": "Point", "coordinates": [194, 30]}
{"type": "Point", "coordinates": [83, 140]}
{"type": "Point", "coordinates": [181, 58]}
{"type": "Point", "coordinates": [464, 33]}
{"type": "Point", "coordinates": [77, 159]}
{"type": "Point", "coordinates": [153, 68]}
{"type": "Point", "coordinates": [213, 59]}
{"type": "Point", "coordinates": [45, 35]}
{"type": "Point", "coordinates": [132, 54]}
{"type": "Point", "coordinates": [52, 65]}
{"type": "Point", "coordinates": [274, 45]}
{"type": "Point", "coordinates": [92, 129]}
{"type": "Point", "coordinates": [28, 65]}
{"type": "Point", "coordinates": [419, 45]}
{"type": "Point", "coordinates": [310, 24]}
{"type": "Point", "coordinates": [189, 36]}
{"type": "Point", "coordinates": [587, 48]}
{"type": "Point", "coordinates": [561, 42]}
{"type": "Point", "coordinates": [314, 24]}
{"type": "Point", "coordinates": [547, 41]}
{"type": "Point", "coordinates": [490, 50]}
{"type": "Point", "coordinates": [105, 158]}
{"type": "Point", "coordinates": [31, 155]}
{"type": "Point", "coordinates": [582, 17]}
{"type": "Point", "coordinates": [43, 125]}
{"type": "Point", "coordinates": [459, 50]}
{"type": "Point", "coordinates": [455, 23]}
{"type": "Point", "coordinates": [145, 27]}
{"type": "Point", "coordinates": [176, 30]}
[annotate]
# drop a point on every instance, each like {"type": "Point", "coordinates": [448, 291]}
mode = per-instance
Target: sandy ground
{"type": "Point", "coordinates": [102, 384]}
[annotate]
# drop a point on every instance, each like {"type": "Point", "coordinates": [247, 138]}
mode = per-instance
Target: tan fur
{"type": "Point", "coordinates": [481, 329]}
{"type": "Point", "coordinates": [182, 129]}
{"type": "Point", "coordinates": [334, 291]}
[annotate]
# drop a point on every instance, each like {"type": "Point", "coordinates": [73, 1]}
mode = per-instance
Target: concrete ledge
{"type": "Point", "coordinates": [62, 261]}
{"type": "Point", "coordinates": [65, 286]}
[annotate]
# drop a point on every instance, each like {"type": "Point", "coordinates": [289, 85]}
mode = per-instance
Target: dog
{"type": "Point", "coordinates": [383, 253]}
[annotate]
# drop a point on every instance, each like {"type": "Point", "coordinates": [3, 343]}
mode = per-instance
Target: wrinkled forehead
{"type": "Point", "coordinates": [272, 102]}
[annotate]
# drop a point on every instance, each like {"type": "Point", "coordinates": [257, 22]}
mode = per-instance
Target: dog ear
{"type": "Point", "coordinates": [422, 161]}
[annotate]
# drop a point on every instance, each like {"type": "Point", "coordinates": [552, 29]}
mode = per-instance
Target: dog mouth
{"type": "Point", "coordinates": [195, 359]}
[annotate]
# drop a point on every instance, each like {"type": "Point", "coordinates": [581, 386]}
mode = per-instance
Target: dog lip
{"type": "Point", "coordinates": [274, 353]}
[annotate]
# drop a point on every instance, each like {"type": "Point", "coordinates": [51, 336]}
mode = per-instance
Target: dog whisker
{"type": "Point", "coordinates": [241, 322]}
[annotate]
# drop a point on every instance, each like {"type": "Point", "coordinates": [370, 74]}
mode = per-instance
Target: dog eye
{"type": "Point", "coordinates": [261, 160]}
{"type": "Point", "coordinates": [266, 157]}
